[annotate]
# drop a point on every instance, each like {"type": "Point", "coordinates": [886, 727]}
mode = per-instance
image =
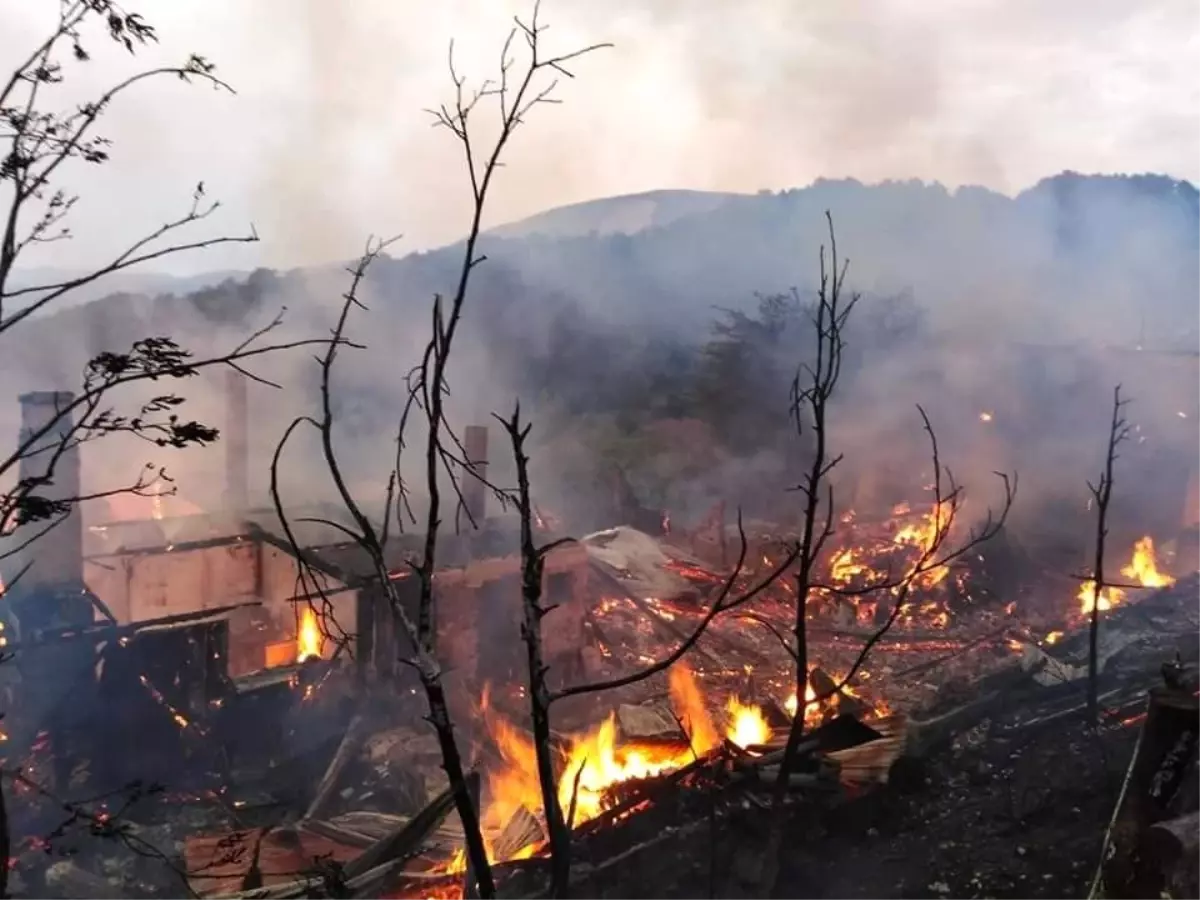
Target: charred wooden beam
{"type": "Point", "coordinates": [346, 751]}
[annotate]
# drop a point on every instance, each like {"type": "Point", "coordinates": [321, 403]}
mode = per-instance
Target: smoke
{"type": "Point", "coordinates": [327, 142]}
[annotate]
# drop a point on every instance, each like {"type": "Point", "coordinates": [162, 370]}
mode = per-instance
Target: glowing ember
{"type": "Point", "coordinates": [747, 724]}
{"type": "Point", "coordinates": [1053, 637]}
{"type": "Point", "coordinates": [812, 709]}
{"type": "Point", "coordinates": [308, 636]}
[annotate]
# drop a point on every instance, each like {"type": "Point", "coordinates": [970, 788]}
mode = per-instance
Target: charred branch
{"type": "Point", "coordinates": [1101, 491]}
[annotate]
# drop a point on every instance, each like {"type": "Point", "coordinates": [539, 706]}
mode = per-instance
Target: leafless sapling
{"type": "Point", "coordinates": [541, 696]}
{"type": "Point", "coordinates": [515, 92]}
{"type": "Point", "coordinates": [1101, 490]}
{"type": "Point", "coordinates": [812, 390]}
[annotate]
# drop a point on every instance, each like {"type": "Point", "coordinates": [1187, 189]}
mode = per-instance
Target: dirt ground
{"type": "Point", "coordinates": [1016, 816]}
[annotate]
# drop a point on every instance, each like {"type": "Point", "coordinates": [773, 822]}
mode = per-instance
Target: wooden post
{"type": "Point", "coordinates": [237, 442]}
{"type": "Point", "coordinates": [474, 488]}
{"type": "Point", "coordinates": [364, 627]}
{"type": "Point", "coordinates": [56, 559]}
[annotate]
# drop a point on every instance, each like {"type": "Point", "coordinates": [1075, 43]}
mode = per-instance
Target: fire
{"type": "Point", "coordinates": [691, 709]}
{"type": "Point", "coordinates": [599, 762]}
{"type": "Point", "coordinates": [1109, 597]}
{"type": "Point", "coordinates": [1142, 570]}
{"type": "Point", "coordinates": [924, 535]}
{"type": "Point", "coordinates": [747, 724]}
{"type": "Point", "coordinates": [308, 636]}
{"type": "Point", "coordinates": [812, 710]}
{"type": "Point", "coordinates": [985, 417]}
{"type": "Point", "coordinates": [595, 761]}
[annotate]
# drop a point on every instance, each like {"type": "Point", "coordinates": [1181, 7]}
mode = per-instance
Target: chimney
{"type": "Point", "coordinates": [474, 491]}
{"type": "Point", "coordinates": [237, 450]}
{"type": "Point", "coordinates": [56, 558]}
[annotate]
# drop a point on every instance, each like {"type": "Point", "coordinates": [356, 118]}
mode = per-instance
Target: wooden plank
{"type": "Point", "coordinates": [219, 864]}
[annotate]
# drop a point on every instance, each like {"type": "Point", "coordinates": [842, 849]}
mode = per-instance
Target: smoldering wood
{"type": "Point", "coordinates": [404, 840]}
{"type": "Point", "coordinates": [470, 887]}
{"type": "Point", "coordinates": [218, 863]}
{"type": "Point", "coordinates": [651, 721]}
{"type": "Point", "coordinates": [350, 744]}
{"type": "Point", "coordinates": [521, 830]}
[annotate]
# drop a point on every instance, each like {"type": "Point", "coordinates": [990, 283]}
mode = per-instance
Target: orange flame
{"type": "Point", "coordinates": [1142, 569]}
{"type": "Point", "coordinates": [747, 724]}
{"type": "Point", "coordinates": [691, 709]}
{"type": "Point", "coordinates": [308, 636]}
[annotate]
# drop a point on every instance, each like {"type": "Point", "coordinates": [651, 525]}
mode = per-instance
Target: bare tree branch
{"type": "Point", "coordinates": [1118, 433]}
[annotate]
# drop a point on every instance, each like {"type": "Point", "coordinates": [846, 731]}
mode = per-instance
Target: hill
{"type": "Point", "coordinates": [600, 317]}
{"type": "Point", "coordinates": [627, 214]}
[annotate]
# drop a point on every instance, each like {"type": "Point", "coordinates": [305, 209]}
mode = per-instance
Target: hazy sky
{"type": "Point", "coordinates": [327, 141]}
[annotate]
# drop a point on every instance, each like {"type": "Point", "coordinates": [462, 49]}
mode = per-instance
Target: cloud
{"type": "Point", "coordinates": [327, 141]}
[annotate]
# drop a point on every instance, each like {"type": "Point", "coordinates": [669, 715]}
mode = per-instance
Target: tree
{"type": "Point", "coordinates": [515, 92]}
{"type": "Point", "coordinates": [1101, 490]}
{"type": "Point", "coordinates": [813, 390]}
{"type": "Point", "coordinates": [541, 697]}
{"type": "Point", "coordinates": [39, 143]}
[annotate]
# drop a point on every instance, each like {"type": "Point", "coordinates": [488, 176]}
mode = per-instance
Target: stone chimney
{"type": "Point", "coordinates": [56, 558]}
{"type": "Point", "coordinates": [474, 490]}
{"type": "Point", "coordinates": [237, 443]}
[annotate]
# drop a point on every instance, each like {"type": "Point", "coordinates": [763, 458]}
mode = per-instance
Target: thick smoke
{"type": "Point", "coordinates": [1077, 264]}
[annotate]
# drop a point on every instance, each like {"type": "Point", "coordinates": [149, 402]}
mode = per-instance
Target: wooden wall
{"type": "Point", "coordinates": [149, 584]}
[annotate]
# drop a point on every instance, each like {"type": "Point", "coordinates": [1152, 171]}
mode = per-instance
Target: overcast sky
{"type": "Point", "coordinates": [327, 141]}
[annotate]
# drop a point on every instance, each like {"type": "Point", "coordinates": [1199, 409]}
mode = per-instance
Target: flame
{"type": "Point", "coordinates": [1142, 570]}
{"type": "Point", "coordinates": [924, 535]}
{"type": "Point", "coordinates": [747, 724]}
{"type": "Point", "coordinates": [595, 761]}
{"type": "Point", "coordinates": [985, 416]}
{"type": "Point", "coordinates": [599, 762]}
{"type": "Point", "coordinates": [308, 636]}
{"type": "Point", "coordinates": [812, 710]}
{"type": "Point", "coordinates": [1109, 597]}
{"type": "Point", "coordinates": [691, 709]}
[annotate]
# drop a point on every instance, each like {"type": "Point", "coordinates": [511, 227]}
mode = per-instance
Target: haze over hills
{"type": "Point", "coordinates": [583, 307]}
{"type": "Point", "coordinates": [131, 281]}
{"type": "Point", "coordinates": [1126, 245]}
{"type": "Point", "coordinates": [626, 214]}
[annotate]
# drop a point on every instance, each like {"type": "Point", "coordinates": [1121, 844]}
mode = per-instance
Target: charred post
{"type": "Point", "coordinates": [474, 488]}
{"type": "Point", "coordinates": [237, 444]}
{"type": "Point", "coordinates": [58, 557]}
